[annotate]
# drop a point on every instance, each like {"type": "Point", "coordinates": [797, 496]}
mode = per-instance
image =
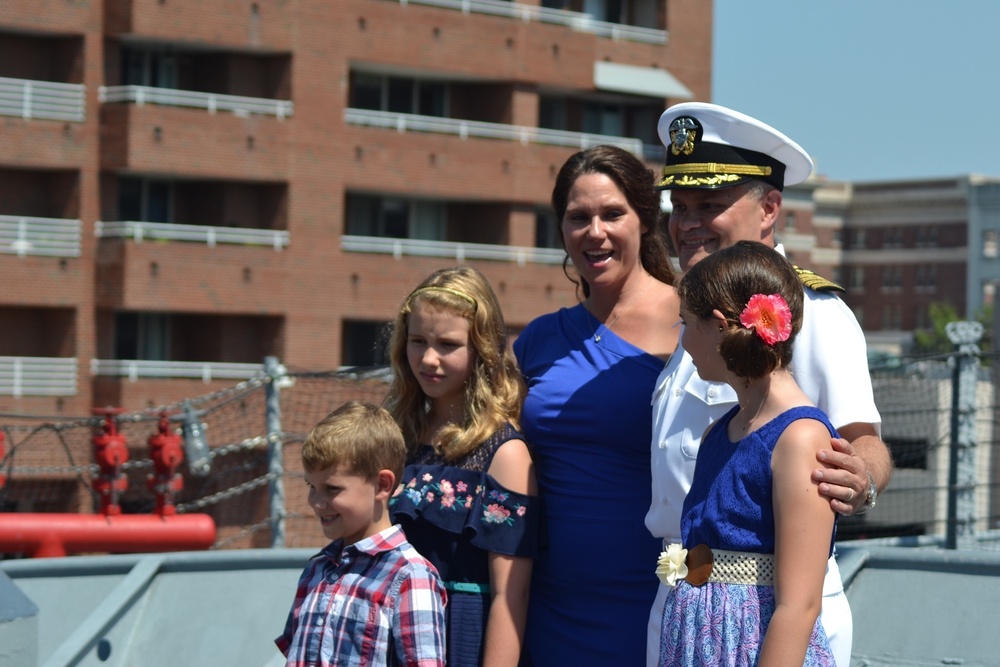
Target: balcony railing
{"type": "Point", "coordinates": [206, 371]}
{"type": "Point", "coordinates": [241, 106]}
{"type": "Point", "coordinates": [403, 122]}
{"type": "Point", "coordinates": [25, 235]}
{"type": "Point", "coordinates": [457, 251]}
{"type": "Point", "coordinates": [42, 99]}
{"type": "Point", "coordinates": [38, 376]}
{"type": "Point", "coordinates": [166, 231]}
{"type": "Point", "coordinates": [575, 20]}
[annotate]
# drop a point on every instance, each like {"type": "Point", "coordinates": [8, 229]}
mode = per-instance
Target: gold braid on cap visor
{"type": "Point", "coordinates": [716, 168]}
{"type": "Point", "coordinates": [723, 173]}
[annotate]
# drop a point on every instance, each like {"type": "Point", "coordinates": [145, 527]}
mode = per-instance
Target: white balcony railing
{"type": "Point", "coordinates": [166, 231]}
{"type": "Point", "coordinates": [38, 376]}
{"type": "Point", "coordinates": [206, 371]}
{"type": "Point", "coordinates": [42, 99]}
{"type": "Point", "coordinates": [403, 122]}
{"type": "Point", "coordinates": [241, 106]}
{"type": "Point", "coordinates": [457, 251]}
{"type": "Point", "coordinates": [575, 20]}
{"type": "Point", "coordinates": [25, 235]}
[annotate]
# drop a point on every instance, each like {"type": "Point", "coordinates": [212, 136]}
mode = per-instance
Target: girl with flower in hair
{"type": "Point", "coordinates": [747, 583]}
{"type": "Point", "coordinates": [468, 501]}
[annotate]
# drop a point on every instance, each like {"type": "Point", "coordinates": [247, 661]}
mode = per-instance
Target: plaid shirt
{"type": "Point", "coordinates": [375, 602]}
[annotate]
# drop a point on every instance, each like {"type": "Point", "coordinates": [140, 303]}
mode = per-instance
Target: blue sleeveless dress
{"type": "Point", "coordinates": [729, 507]}
{"type": "Point", "coordinates": [454, 514]}
{"type": "Point", "coordinates": [588, 420]}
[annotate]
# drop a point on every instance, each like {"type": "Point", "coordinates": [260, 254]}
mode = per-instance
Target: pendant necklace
{"type": "Point", "coordinates": [609, 325]}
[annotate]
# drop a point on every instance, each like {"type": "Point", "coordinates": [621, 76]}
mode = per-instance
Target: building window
{"type": "Point", "coordinates": [547, 231]}
{"type": "Point", "coordinates": [552, 113]}
{"type": "Point", "coordinates": [145, 200]}
{"type": "Point", "coordinates": [790, 221]}
{"type": "Point", "coordinates": [145, 67]}
{"type": "Point", "coordinates": [144, 336]}
{"type": "Point", "coordinates": [858, 239]}
{"type": "Point", "coordinates": [398, 95]}
{"type": "Point", "coordinates": [892, 237]}
{"type": "Point", "coordinates": [989, 292]}
{"type": "Point", "coordinates": [990, 241]}
{"type": "Point", "coordinates": [395, 218]}
{"type": "Point", "coordinates": [925, 278]}
{"type": "Point", "coordinates": [892, 278]}
{"type": "Point", "coordinates": [926, 236]}
{"type": "Point", "coordinates": [892, 318]}
{"type": "Point", "coordinates": [857, 278]}
{"type": "Point", "coordinates": [364, 343]}
{"type": "Point", "coordinates": [607, 119]}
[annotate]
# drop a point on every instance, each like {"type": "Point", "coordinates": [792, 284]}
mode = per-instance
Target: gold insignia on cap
{"type": "Point", "coordinates": [816, 282]}
{"type": "Point", "coordinates": [682, 135]}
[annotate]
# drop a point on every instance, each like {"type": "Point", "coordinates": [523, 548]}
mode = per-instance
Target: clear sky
{"type": "Point", "coordinates": [873, 89]}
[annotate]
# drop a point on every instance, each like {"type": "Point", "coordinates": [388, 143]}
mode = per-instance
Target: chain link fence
{"type": "Point", "coordinates": [242, 464]}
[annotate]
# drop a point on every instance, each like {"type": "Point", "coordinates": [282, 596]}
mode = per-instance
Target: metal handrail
{"type": "Point", "coordinates": [403, 122]}
{"type": "Point", "coordinates": [28, 98]}
{"type": "Point", "coordinates": [458, 251]}
{"type": "Point", "coordinates": [206, 371]}
{"type": "Point", "coordinates": [166, 231]}
{"type": "Point", "coordinates": [574, 20]}
{"type": "Point", "coordinates": [38, 376]}
{"type": "Point", "coordinates": [27, 235]}
{"type": "Point", "coordinates": [213, 102]}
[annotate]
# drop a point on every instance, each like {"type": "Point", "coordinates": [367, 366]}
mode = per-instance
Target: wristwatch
{"type": "Point", "coordinates": [872, 496]}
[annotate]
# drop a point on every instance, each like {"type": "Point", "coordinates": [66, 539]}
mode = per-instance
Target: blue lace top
{"type": "Point", "coordinates": [455, 513]}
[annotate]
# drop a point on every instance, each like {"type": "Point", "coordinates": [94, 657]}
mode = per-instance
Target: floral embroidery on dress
{"type": "Point", "coordinates": [452, 496]}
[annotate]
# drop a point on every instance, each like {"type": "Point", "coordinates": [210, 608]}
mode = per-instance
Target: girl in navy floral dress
{"type": "Point", "coordinates": [468, 501]}
{"type": "Point", "coordinates": [747, 585]}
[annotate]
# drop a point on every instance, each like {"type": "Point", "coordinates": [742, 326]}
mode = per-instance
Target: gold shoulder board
{"type": "Point", "coordinates": [818, 283]}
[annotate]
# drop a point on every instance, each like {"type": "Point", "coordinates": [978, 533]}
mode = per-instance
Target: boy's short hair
{"type": "Point", "coordinates": [361, 436]}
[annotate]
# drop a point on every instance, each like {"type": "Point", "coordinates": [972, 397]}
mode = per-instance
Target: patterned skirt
{"type": "Point", "coordinates": [723, 625]}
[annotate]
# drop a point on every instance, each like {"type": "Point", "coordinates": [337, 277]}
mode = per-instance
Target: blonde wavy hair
{"type": "Point", "coordinates": [495, 390]}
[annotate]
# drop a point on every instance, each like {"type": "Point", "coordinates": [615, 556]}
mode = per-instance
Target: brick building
{"type": "Point", "coordinates": [187, 187]}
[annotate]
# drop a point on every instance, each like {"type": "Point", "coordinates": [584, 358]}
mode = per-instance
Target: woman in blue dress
{"type": "Point", "coordinates": [590, 371]}
{"type": "Point", "coordinates": [468, 501]}
{"type": "Point", "coordinates": [748, 583]}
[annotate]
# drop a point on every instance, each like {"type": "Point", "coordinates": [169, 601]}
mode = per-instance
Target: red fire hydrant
{"type": "Point", "coordinates": [110, 454]}
{"type": "Point", "coordinates": [167, 452]}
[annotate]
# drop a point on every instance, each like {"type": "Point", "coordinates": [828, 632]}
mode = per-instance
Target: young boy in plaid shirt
{"type": "Point", "coordinates": [368, 598]}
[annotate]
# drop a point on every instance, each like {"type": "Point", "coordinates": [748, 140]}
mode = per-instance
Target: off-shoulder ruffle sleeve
{"type": "Point", "coordinates": [471, 503]}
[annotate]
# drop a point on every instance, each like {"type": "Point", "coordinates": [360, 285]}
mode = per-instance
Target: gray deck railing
{"type": "Point", "coordinates": [42, 99]}
{"type": "Point", "coordinates": [27, 235]}
{"type": "Point", "coordinates": [207, 371]}
{"type": "Point", "coordinates": [458, 251]}
{"type": "Point", "coordinates": [38, 376]}
{"type": "Point", "coordinates": [212, 102]}
{"type": "Point", "coordinates": [575, 20]}
{"type": "Point", "coordinates": [166, 231]}
{"type": "Point", "coordinates": [405, 122]}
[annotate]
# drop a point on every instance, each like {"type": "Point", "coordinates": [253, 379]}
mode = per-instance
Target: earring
{"type": "Point", "coordinates": [721, 329]}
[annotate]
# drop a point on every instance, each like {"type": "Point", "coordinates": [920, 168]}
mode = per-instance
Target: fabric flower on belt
{"type": "Point", "coordinates": [769, 316]}
{"type": "Point", "coordinates": [672, 565]}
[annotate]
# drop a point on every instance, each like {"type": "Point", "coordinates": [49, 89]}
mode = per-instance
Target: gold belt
{"type": "Point", "coordinates": [729, 567]}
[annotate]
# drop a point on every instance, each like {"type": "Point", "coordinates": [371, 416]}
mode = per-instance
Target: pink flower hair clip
{"type": "Point", "coordinates": [769, 316]}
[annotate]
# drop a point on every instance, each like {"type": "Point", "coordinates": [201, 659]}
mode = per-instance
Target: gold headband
{"type": "Point", "coordinates": [435, 288]}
